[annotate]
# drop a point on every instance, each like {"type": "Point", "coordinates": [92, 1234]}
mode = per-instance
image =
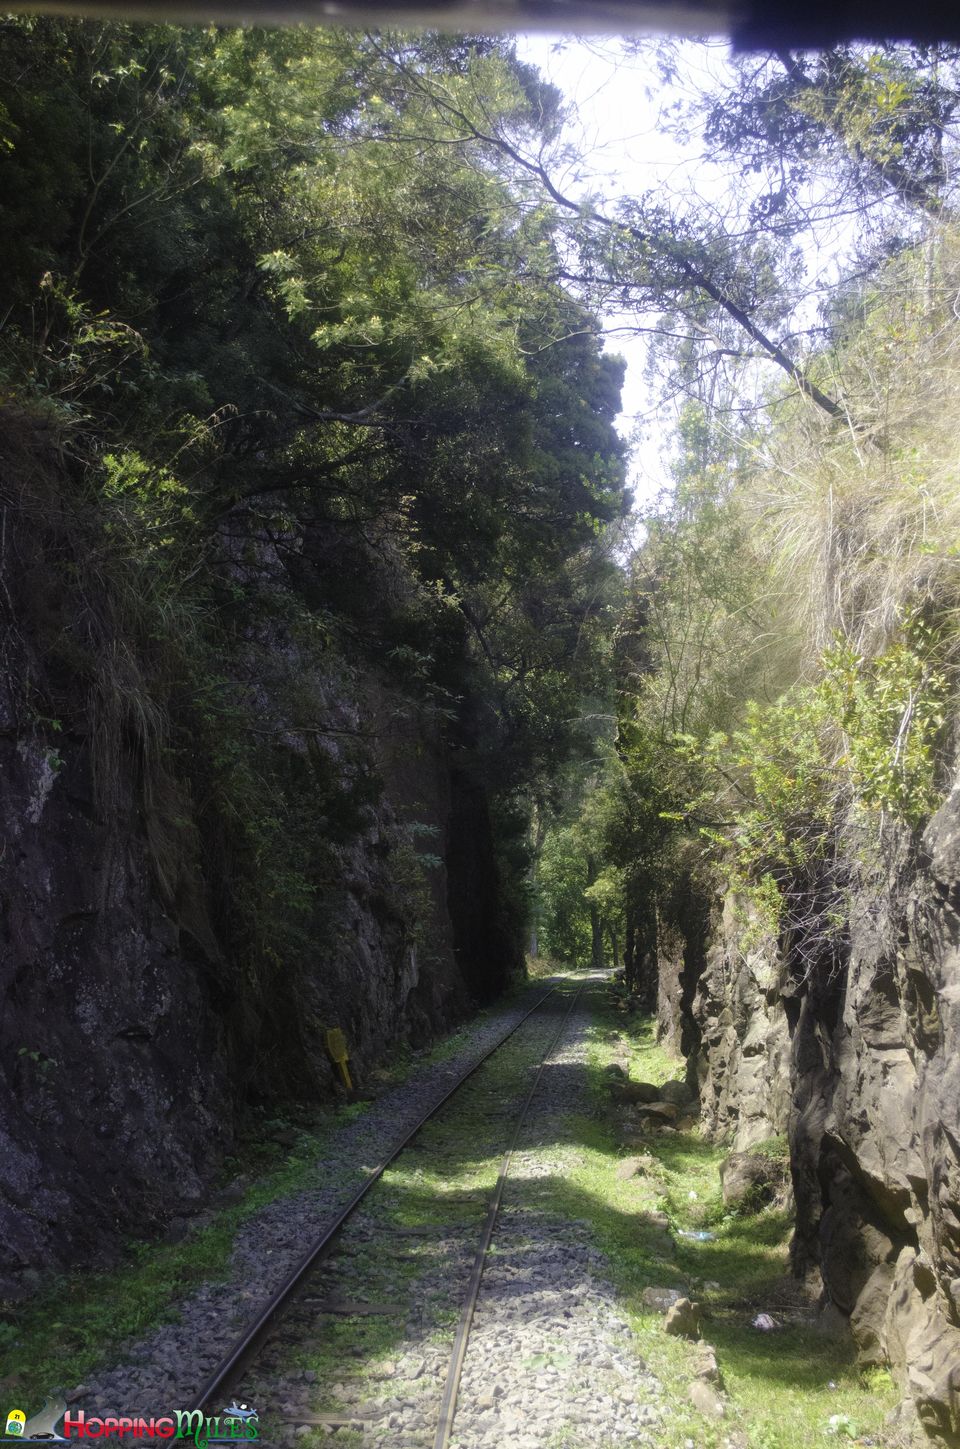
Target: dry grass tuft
{"type": "Point", "coordinates": [865, 521]}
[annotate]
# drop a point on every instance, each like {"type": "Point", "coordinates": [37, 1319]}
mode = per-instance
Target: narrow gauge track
{"type": "Point", "coordinates": [245, 1349]}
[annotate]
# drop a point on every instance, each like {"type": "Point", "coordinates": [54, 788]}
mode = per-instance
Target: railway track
{"type": "Point", "coordinates": [291, 1313]}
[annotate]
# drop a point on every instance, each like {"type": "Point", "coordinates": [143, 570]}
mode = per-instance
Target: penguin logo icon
{"type": "Point", "coordinates": [16, 1423]}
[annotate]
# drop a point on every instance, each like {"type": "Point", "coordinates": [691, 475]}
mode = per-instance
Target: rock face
{"type": "Point", "coordinates": [741, 1025]}
{"type": "Point", "coordinates": [130, 1038]}
{"type": "Point", "coordinates": [856, 1058]}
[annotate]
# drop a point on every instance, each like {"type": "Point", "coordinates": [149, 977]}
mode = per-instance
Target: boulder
{"type": "Point", "coordinates": [705, 1365]}
{"type": "Point", "coordinates": [751, 1179]}
{"type": "Point", "coordinates": [683, 1319]}
{"type": "Point", "coordinates": [869, 1314]}
{"type": "Point", "coordinates": [851, 1242]}
{"type": "Point", "coordinates": [676, 1092]}
{"type": "Point", "coordinates": [659, 1111]}
{"type": "Point", "coordinates": [923, 1347]}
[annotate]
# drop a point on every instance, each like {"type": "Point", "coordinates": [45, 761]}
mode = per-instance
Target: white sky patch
{"type": "Point", "coordinates": [623, 150]}
{"type": "Point", "coordinates": [621, 145]}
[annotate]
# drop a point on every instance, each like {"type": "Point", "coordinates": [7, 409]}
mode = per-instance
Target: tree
{"type": "Point", "coordinates": [637, 255]}
{"type": "Point", "coordinates": [332, 415]}
{"type": "Point", "coordinates": [842, 131]}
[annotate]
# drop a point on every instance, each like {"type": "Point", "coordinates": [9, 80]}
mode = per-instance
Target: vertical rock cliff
{"type": "Point", "coordinates": [139, 1017]}
{"type": "Point", "coordinates": [855, 1055]}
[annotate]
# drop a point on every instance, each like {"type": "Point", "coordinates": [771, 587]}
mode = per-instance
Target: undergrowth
{"type": "Point", "coordinates": [782, 1387]}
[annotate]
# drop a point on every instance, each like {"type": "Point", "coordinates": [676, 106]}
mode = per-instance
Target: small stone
{"type": "Point", "coordinates": [705, 1364]}
{"type": "Point", "coordinates": [705, 1400]}
{"type": "Point", "coordinates": [310, 1376]}
{"type": "Point", "coordinates": [683, 1319]}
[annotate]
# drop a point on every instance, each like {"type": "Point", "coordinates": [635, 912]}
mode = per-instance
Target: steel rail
{"type": "Point", "coordinates": [246, 1346]}
{"type": "Point", "coordinates": [448, 1404]}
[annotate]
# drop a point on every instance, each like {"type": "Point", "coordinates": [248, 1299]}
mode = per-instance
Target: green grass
{"type": "Point", "coordinates": [443, 1180]}
{"type": "Point", "coordinates": [79, 1320]}
{"type": "Point", "coordinates": [783, 1387]}
{"type": "Point", "coordinates": [75, 1322]}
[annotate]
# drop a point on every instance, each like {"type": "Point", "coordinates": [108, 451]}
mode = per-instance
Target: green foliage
{"type": "Point", "coordinates": [778, 782]}
{"type": "Point", "coordinates": [788, 651]}
{"type": "Point", "coordinates": [892, 709]}
{"type": "Point", "coordinates": [562, 883]}
{"type": "Point", "coordinates": [327, 417]}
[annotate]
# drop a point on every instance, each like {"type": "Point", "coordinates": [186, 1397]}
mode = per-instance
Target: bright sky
{"type": "Point", "coordinates": [625, 151]}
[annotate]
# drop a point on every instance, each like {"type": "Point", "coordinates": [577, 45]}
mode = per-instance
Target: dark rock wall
{"type": "Point", "coordinates": [486, 948]}
{"type": "Point", "coordinates": [129, 1043]}
{"type": "Point", "coordinates": [856, 1058]}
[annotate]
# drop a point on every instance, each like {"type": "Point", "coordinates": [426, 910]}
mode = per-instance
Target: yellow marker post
{"type": "Point", "coordinates": [16, 1422]}
{"type": "Point", "coordinates": [337, 1047]}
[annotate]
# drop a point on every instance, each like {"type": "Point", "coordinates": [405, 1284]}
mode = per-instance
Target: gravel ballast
{"type": "Point", "coordinates": [551, 1359]}
{"type": "Point", "coordinates": [167, 1367]}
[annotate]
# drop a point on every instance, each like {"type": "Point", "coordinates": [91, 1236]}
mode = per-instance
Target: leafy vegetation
{"type": "Point", "coordinates": [330, 456]}
{"type": "Point", "coordinates": [787, 657]}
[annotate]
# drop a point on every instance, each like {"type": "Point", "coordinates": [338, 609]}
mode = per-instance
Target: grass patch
{"type": "Point", "coordinates": [78, 1321]}
{"type": "Point", "coordinates": [782, 1387]}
